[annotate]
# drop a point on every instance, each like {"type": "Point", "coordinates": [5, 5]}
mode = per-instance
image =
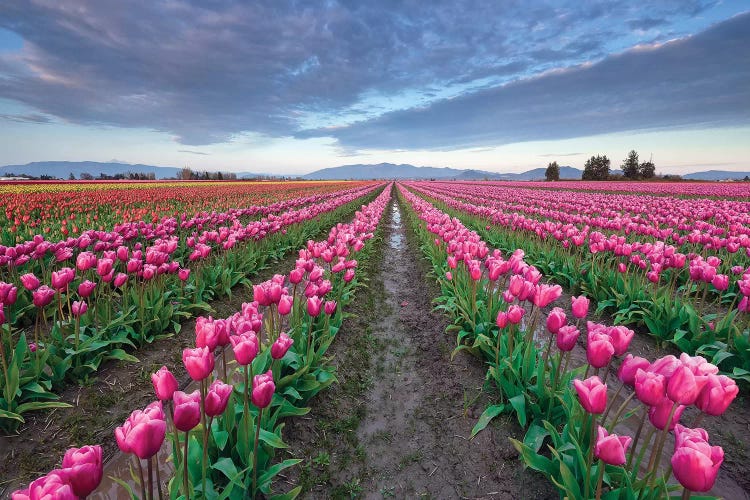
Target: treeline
{"type": "Point", "coordinates": [597, 169]}
{"type": "Point", "coordinates": [187, 174]}
{"type": "Point", "coordinates": [127, 176]}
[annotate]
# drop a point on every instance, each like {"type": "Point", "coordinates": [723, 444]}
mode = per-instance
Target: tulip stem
{"type": "Point", "coordinates": [140, 476]}
{"type": "Point", "coordinates": [205, 436]}
{"type": "Point", "coordinates": [590, 457]}
{"type": "Point", "coordinates": [635, 439]}
{"type": "Point", "coordinates": [620, 410]}
{"type": "Point", "coordinates": [685, 494]}
{"type": "Point", "coordinates": [599, 480]}
{"type": "Point", "coordinates": [185, 467]}
{"type": "Point", "coordinates": [150, 478]}
{"type": "Point", "coordinates": [255, 452]}
{"type": "Point", "coordinates": [655, 459]}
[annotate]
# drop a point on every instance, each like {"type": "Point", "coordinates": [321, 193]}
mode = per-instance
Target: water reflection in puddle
{"type": "Point", "coordinates": [397, 237]}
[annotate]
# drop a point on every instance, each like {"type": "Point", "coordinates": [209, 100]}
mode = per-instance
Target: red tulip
{"type": "Point", "coordinates": [650, 387]}
{"type": "Point", "coordinates": [84, 468]}
{"type": "Point", "coordinates": [684, 387]}
{"type": "Point", "coordinates": [245, 347]}
{"type": "Point", "coordinates": [611, 448]}
{"type": "Point", "coordinates": [164, 383]}
{"type": "Point", "coordinates": [263, 388]}
{"type": "Point", "coordinates": [217, 398]}
{"type": "Point", "coordinates": [580, 306]}
{"type": "Point", "coordinates": [187, 410]}
{"type": "Point", "coordinates": [717, 395]}
{"type": "Point", "coordinates": [199, 362]}
{"type": "Point", "coordinates": [281, 346]}
{"type": "Point", "coordinates": [142, 433]}
{"type": "Point", "coordinates": [592, 394]}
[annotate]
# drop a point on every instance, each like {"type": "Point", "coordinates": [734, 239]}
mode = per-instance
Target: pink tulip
{"type": "Point", "coordinates": [628, 368]}
{"type": "Point", "coordinates": [695, 469]}
{"type": "Point", "coordinates": [199, 362]}
{"type": "Point", "coordinates": [285, 304]}
{"type": "Point", "coordinates": [281, 346]}
{"type": "Point", "coordinates": [104, 267]}
{"type": "Point", "coordinates": [698, 364]}
{"type": "Point", "coordinates": [592, 394]}
{"type": "Point", "coordinates": [580, 306]}
{"type": "Point", "coordinates": [684, 387]}
{"type": "Point", "coordinates": [187, 410]}
{"type": "Point", "coordinates": [142, 433]}
{"type": "Point", "coordinates": [245, 347]}
{"type": "Point", "coordinates": [515, 313]}
{"type": "Point", "coordinates": [217, 398]}
{"type": "Point", "coordinates": [263, 388]}
{"type": "Point", "coordinates": [502, 319]}
{"type": "Point", "coordinates": [314, 305]}
{"type": "Point", "coordinates": [205, 333]}
{"type": "Point", "coordinates": [54, 485]}
{"type": "Point", "coordinates": [30, 282]}
{"type": "Point", "coordinates": [183, 274]}
{"type": "Point", "coordinates": [659, 414]}
{"type": "Point", "coordinates": [85, 261]}
{"type": "Point", "coordinates": [650, 387]}
{"type": "Point", "coordinates": [120, 279]}
{"type": "Point", "coordinates": [164, 383]}
{"type": "Point", "coordinates": [84, 468]}
{"type": "Point", "coordinates": [599, 349]}
{"type": "Point", "coordinates": [717, 395]}
{"type": "Point", "coordinates": [62, 278]}
{"type": "Point", "coordinates": [79, 308]}
{"type": "Point", "coordinates": [666, 365]}
{"type": "Point", "coordinates": [349, 275]}
{"type": "Point", "coordinates": [567, 336]}
{"type": "Point", "coordinates": [42, 296]}
{"type": "Point", "coordinates": [621, 338]}
{"type": "Point", "coordinates": [86, 288]}
{"type": "Point", "coordinates": [611, 448]}
{"type": "Point", "coordinates": [330, 307]}
{"type": "Point", "coordinates": [555, 320]}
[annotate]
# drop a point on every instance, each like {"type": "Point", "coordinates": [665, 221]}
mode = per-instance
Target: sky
{"type": "Point", "coordinates": [288, 87]}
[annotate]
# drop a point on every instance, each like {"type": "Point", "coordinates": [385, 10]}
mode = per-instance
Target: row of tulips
{"type": "Point", "coordinates": [220, 438]}
{"type": "Point", "coordinates": [61, 209]}
{"type": "Point", "coordinates": [504, 312]}
{"type": "Point", "coordinates": [687, 310]}
{"type": "Point", "coordinates": [98, 311]}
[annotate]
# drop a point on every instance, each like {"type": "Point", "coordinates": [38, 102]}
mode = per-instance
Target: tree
{"type": "Point", "coordinates": [85, 176]}
{"type": "Point", "coordinates": [647, 170]}
{"type": "Point", "coordinates": [596, 168]}
{"type": "Point", "coordinates": [553, 172]}
{"type": "Point", "coordinates": [72, 177]}
{"type": "Point", "coordinates": [630, 166]}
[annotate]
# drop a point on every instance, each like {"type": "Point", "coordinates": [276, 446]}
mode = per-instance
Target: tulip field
{"type": "Point", "coordinates": [611, 322]}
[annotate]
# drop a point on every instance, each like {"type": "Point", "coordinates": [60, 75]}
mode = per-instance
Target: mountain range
{"type": "Point", "coordinates": [62, 169]}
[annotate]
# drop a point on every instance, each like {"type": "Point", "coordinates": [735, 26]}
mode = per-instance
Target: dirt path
{"type": "Point", "coordinates": [398, 425]}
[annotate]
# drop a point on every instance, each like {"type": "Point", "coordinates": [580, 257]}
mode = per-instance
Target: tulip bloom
{"type": "Point", "coordinates": [84, 468]}
{"type": "Point", "coordinates": [621, 338]}
{"type": "Point", "coordinates": [245, 347]}
{"type": "Point", "coordinates": [217, 398]}
{"type": "Point", "coordinates": [650, 387]}
{"type": "Point", "coordinates": [142, 433]}
{"type": "Point", "coordinates": [696, 469]}
{"type": "Point", "coordinates": [199, 362]}
{"type": "Point", "coordinates": [314, 305]}
{"type": "Point", "coordinates": [611, 448]}
{"type": "Point", "coordinates": [665, 365]}
{"type": "Point", "coordinates": [630, 365]}
{"type": "Point", "coordinates": [599, 349]}
{"type": "Point", "coordinates": [120, 279]}
{"type": "Point", "coordinates": [30, 282]}
{"type": "Point", "coordinates": [187, 410]}
{"type": "Point", "coordinates": [717, 395]}
{"type": "Point", "coordinates": [183, 274]}
{"type": "Point", "coordinates": [263, 389]}
{"type": "Point", "coordinates": [515, 313]}
{"type": "Point", "coordinates": [555, 320]}
{"type": "Point", "coordinates": [79, 308]}
{"type": "Point", "coordinates": [684, 387]}
{"type": "Point", "coordinates": [86, 288]}
{"type": "Point", "coordinates": [164, 383]}
{"type": "Point", "coordinates": [567, 336]}
{"type": "Point", "coordinates": [281, 346]}
{"type": "Point", "coordinates": [592, 394]}
{"type": "Point", "coordinates": [43, 296]}
{"type": "Point", "coordinates": [330, 307]}
{"type": "Point", "coordinates": [285, 304]}
{"type": "Point", "coordinates": [55, 484]}
{"type": "Point", "coordinates": [659, 414]}
{"type": "Point", "coordinates": [580, 306]}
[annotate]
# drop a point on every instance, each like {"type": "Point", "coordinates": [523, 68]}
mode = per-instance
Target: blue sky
{"type": "Point", "coordinates": [290, 87]}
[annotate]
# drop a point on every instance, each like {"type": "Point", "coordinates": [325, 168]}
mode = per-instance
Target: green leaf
{"type": "Point", "coordinates": [265, 479]}
{"type": "Point", "coordinates": [491, 412]}
{"type": "Point", "coordinates": [227, 467]}
{"type": "Point", "coordinates": [121, 355]}
{"type": "Point", "coordinates": [41, 405]}
{"type": "Point", "coordinates": [535, 436]}
{"type": "Point", "coordinates": [11, 416]}
{"type": "Point", "coordinates": [272, 439]}
{"type": "Point", "coordinates": [519, 404]}
{"type": "Point", "coordinates": [288, 496]}
{"type": "Point", "coordinates": [125, 485]}
{"type": "Point", "coordinates": [532, 459]}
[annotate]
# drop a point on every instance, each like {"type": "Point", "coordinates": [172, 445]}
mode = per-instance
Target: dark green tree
{"type": "Point", "coordinates": [553, 172]}
{"type": "Point", "coordinates": [630, 166]}
{"type": "Point", "coordinates": [647, 170]}
{"type": "Point", "coordinates": [596, 168]}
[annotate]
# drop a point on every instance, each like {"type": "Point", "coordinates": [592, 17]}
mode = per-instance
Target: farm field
{"type": "Point", "coordinates": [352, 339]}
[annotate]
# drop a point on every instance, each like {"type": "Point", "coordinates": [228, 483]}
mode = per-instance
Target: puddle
{"type": "Point", "coordinates": [396, 239]}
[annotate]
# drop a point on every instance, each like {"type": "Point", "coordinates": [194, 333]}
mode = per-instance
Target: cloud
{"type": "Point", "coordinates": [26, 118]}
{"type": "Point", "coordinates": [207, 72]}
{"type": "Point", "coordinates": [698, 81]}
{"type": "Point", "coordinates": [550, 155]}
{"type": "Point", "coordinates": [193, 152]}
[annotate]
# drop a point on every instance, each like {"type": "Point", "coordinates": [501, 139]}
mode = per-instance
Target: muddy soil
{"type": "Point", "coordinates": [105, 404]}
{"type": "Point", "coordinates": [398, 424]}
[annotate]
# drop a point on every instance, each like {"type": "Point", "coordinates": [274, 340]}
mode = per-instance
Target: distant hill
{"type": "Point", "coordinates": [406, 171]}
{"type": "Point", "coordinates": [63, 169]}
{"type": "Point", "coordinates": [716, 175]}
